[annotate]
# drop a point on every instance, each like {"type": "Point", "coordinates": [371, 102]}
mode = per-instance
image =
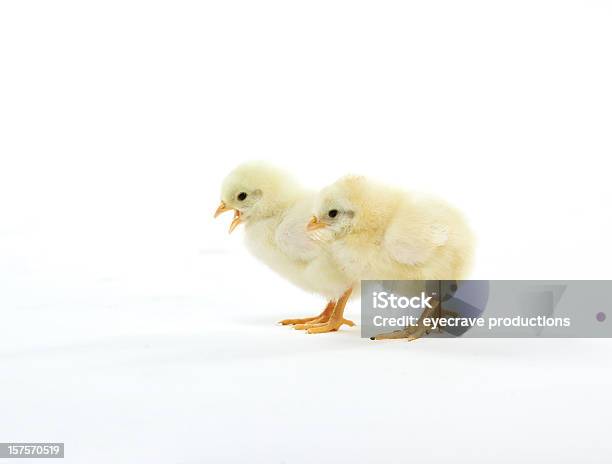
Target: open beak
{"type": "Point", "coordinates": [315, 224]}
{"type": "Point", "coordinates": [222, 209]}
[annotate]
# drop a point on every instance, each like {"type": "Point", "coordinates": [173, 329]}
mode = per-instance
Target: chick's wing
{"type": "Point", "coordinates": [291, 235]}
{"type": "Point", "coordinates": [412, 240]}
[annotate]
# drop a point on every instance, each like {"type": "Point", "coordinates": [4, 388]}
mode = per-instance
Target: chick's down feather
{"type": "Point", "coordinates": [274, 210]}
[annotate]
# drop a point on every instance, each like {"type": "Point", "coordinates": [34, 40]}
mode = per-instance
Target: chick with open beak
{"type": "Point", "coordinates": [274, 210]}
{"type": "Point", "coordinates": [237, 215]}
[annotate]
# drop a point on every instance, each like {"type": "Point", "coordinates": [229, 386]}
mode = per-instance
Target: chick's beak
{"type": "Point", "coordinates": [315, 224]}
{"type": "Point", "coordinates": [222, 209]}
{"type": "Point", "coordinates": [235, 221]}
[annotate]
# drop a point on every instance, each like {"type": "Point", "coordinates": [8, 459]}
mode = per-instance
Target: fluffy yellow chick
{"type": "Point", "coordinates": [376, 232]}
{"type": "Point", "coordinates": [274, 208]}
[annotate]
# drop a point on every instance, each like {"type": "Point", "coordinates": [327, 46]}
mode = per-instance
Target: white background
{"type": "Point", "coordinates": [134, 329]}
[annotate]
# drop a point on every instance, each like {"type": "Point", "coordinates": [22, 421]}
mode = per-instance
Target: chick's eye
{"type": "Point", "coordinates": [242, 196]}
{"type": "Point", "coordinates": [333, 213]}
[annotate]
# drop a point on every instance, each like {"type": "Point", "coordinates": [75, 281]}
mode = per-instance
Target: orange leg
{"type": "Point", "coordinates": [336, 319]}
{"type": "Point", "coordinates": [323, 317]}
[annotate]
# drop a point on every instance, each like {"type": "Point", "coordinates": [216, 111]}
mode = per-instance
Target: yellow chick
{"type": "Point", "coordinates": [274, 208]}
{"type": "Point", "coordinates": [378, 232]}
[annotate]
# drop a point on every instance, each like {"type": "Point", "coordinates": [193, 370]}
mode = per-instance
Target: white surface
{"type": "Point", "coordinates": [135, 330]}
{"type": "Point", "coordinates": [191, 379]}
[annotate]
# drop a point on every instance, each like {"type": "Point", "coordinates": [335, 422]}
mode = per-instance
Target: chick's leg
{"type": "Point", "coordinates": [336, 320]}
{"type": "Point", "coordinates": [323, 317]}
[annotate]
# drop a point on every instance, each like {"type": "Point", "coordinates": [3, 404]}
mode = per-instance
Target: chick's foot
{"type": "Point", "coordinates": [309, 324]}
{"type": "Point", "coordinates": [329, 326]}
{"type": "Point", "coordinates": [417, 331]}
{"type": "Point", "coordinates": [409, 333]}
{"type": "Point", "coordinates": [335, 320]}
{"type": "Point", "coordinates": [320, 321]}
{"type": "Point", "coordinates": [413, 332]}
{"type": "Point", "coordinates": [301, 321]}
{"type": "Point", "coordinates": [323, 317]}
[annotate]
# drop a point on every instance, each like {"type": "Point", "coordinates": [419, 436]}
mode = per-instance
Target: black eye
{"type": "Point", "coordinates": [333, 213]}
{"type": "Point", "coordinates": [242, 196]}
